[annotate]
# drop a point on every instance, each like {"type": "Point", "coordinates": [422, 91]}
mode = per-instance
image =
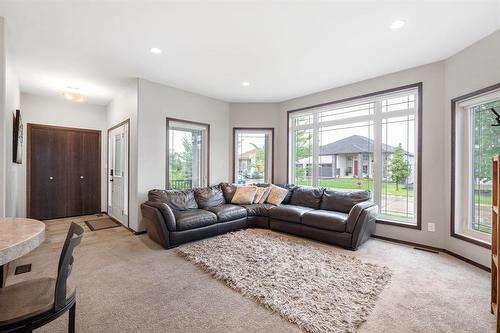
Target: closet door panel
{"type": "Point", "coordinates": [83, 173]}
{"type": "Point", "coordinates": [47, 174]}
{"type": "Point", "coordinates": [75, 161]}
{"type": "Point", "coordinates": [90, 172]}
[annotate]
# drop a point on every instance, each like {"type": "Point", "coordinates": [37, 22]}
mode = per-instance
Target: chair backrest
{"type": "Point", "coordinates": [73, 238]}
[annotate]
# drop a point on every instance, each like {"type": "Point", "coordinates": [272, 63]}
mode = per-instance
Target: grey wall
{"type": "Point", "coordinates": [9, 102]}
{"type": "Point", "coordinates": [474, 68]}
{"type": "Point", "coordinates": [57, 111]}
{"type": "Point", "coordinates": [432, 77]}
{"type": "Point", "coordinates": [3, 119]}
{"type": "Point", "coordinates": [255, 115]}
{"type": "Point", "coordinates": [157, 102]}
{"type": "Point", "coordinates": [122, 107]}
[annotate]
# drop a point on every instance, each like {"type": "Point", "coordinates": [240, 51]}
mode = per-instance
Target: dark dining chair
{"type": "Point", "coordinates": [31, 304]}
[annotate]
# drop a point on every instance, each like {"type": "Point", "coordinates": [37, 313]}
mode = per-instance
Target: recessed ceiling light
{"type": "Point", "coordinates": [155, 50]}
{"type": "Point", "coordinates": [245, 83]}
{"type": "Point", "coordinates": [397, 24]}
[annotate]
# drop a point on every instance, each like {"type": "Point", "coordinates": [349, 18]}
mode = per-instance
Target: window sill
{"type": "Point", "coordinates": [475, 241]}
{"type": "Point", "coordinates": [399, 224]}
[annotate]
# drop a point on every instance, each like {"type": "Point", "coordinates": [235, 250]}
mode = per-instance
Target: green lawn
{"type": "Point", "coordinates": [367, 184]}
{"type": "Point", "coordinates": [364, 183]}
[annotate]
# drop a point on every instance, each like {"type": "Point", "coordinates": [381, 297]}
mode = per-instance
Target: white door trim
{"type": "Point", "coordinates": [126, 164]}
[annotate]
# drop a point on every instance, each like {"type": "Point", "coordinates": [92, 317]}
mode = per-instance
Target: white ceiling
{"type": "Point", "coordinates": [284, 49]}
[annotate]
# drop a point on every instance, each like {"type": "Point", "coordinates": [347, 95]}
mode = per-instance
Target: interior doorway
{"type": "Point", "coordinates": [118, 172]}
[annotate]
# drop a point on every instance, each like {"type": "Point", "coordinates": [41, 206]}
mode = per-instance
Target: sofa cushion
{"type": "Point", "coordinates": [307, 197]}
{"type": "Point", "coordinates": [210, 196]}
{"type": "Point", "coordinates": [326, 219]}
{"type": "Point", "coordinates": [263, 199]}
{"type": "Point", "coordinates": [258, 209]}
{"type": "Point", "coordinates": [276, 195]}
{"type": "Point", "coordinates": [177, 200]}
{"type": "Point", "coordinates": [228, 190]}
{"type": "Point", "coordinates": [193, 218]}
{"type": "Point", "coordinates": [244, 195]}
{"type": "Point", "coordinates": [290, 188]}
{"type": "Point", "coordinates": [289, 213]}
{"type": "Point", "coordinates": [258, 195]}
{"type": "Point", "coordinates": [343, 201]}
{"type": "Point", "coordinates": [228, 212]}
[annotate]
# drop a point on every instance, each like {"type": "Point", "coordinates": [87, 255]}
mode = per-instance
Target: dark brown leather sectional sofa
{"type": "Point", "coordinates": [345, 218]}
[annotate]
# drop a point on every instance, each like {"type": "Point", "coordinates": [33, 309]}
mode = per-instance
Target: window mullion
{"type": "Point", "coordinates": [315, 161]}
{"type": "Point", "coordinates": [292, 158]}
{"type": "Point", "coordinates": [377, 153]}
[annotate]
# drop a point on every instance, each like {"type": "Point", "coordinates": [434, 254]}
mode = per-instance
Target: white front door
{"type": "Point", "coordinates": [118, 173]}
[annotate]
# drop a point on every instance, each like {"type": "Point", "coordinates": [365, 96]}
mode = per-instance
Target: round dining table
{"type": "Point", "coordinates": [18, 236]}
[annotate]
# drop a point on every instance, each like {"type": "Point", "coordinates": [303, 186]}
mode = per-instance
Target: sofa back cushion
{"type": "Point", "coordinates": [228, 190]}
{"type": "Point", "coordinates": [307, 197]}
{"type": "Point", "coordinates": [177, 200]}
{"type": "Point", "coordinates": [210, 196]}
{"type": "Point", "coordinates": [276, 195]}
{"type": "Point", "coordinates": [290, 188]}
{"type": "Point", "coordinates": [343, 201]}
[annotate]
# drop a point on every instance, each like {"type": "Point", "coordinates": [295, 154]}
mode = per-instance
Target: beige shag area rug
{"type": "Point", "coordinates": [316, 288]}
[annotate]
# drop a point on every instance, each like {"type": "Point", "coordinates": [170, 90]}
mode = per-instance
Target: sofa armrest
{"type": "Point", "coordinates": [361, 222]}
{"type": "Point", "coordinates": [157, 226]}
{"type": "Point", "coordinates": [355, 214]}
{"type": "Point", "coordinates": [166, 212]}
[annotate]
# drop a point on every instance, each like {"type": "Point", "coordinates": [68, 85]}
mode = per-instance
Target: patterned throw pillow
{"type": "Point", "coordinates": [244, 195]}
{"type": "Point", "coordinates": [277, 195]}
{"type": "Point", "coordinates": [265, 195]}
{"type": "Point", "coordinates": [258, 195]}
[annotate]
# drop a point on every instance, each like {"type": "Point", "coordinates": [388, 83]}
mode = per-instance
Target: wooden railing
{"type": "Point", "coordinates": [180, 184]}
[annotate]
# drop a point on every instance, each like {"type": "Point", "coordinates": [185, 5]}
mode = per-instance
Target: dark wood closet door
{"type": "Point", "coordinates": [72, 158]}
{"type": "Point", "coordinates": [84, 173]}
{"type": "Point", "coordinates": [48, 174]}
{"type": "Point", "coordinates": [90, 177]}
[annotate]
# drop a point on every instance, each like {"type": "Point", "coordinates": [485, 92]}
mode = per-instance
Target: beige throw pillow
{"type": "Point", "coordinates": [244, 195]}
{"type": "Point", "coordinates": [265, 195]}
{"type": "Point", "coordinates": [258, 195]}
{"type": "Point", "coordinates": [277, 195]}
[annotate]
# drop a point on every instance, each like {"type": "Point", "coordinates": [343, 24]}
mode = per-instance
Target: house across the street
{"type": "Point", "coordinates": [349, 157]}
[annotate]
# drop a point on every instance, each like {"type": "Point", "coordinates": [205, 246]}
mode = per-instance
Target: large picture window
{"type": "Point", "coordinates": [369, 142]}
{"type": "Point", "coordinates": [187, 154]}
{"type": "Point", "coordinates": [476, 139]}
{"type": "Point", "coordinates": [253, 155]}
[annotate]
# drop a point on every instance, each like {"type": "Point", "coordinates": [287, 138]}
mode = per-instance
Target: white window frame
{"type": "Point", "coordinates": [376, 117]}
{"type": "Point", "coordinates": [269, 154]}
{"type": "Point", "coordinates": [173, 123]}
{"type": "Point", "coordinates": [463, 199]}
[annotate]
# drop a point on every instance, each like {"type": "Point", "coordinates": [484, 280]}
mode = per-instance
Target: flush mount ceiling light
{"type": "Point", "coordinates": [73, 95]}
{"type": "Point", "coordinates": [245, 83]}
{"type": "Point", "coordinates": [397, 24]}
{"type": "Point", "coordinates": [155, 50]}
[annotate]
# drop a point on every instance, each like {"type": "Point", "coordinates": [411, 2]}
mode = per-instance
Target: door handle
{"type": "Point", "coordinates": [111, 180]}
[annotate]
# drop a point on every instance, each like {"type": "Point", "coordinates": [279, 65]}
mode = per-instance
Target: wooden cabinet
{"type": "Point", "coordinates": [495, 233]}
{"type": "Point", "coordinates": [63, 172]}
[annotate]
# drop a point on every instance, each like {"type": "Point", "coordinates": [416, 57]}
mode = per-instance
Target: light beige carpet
{"type": "Point", "coordinates": [318, 289]}
{"type": "Point", "coordinates": [128, 284]}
